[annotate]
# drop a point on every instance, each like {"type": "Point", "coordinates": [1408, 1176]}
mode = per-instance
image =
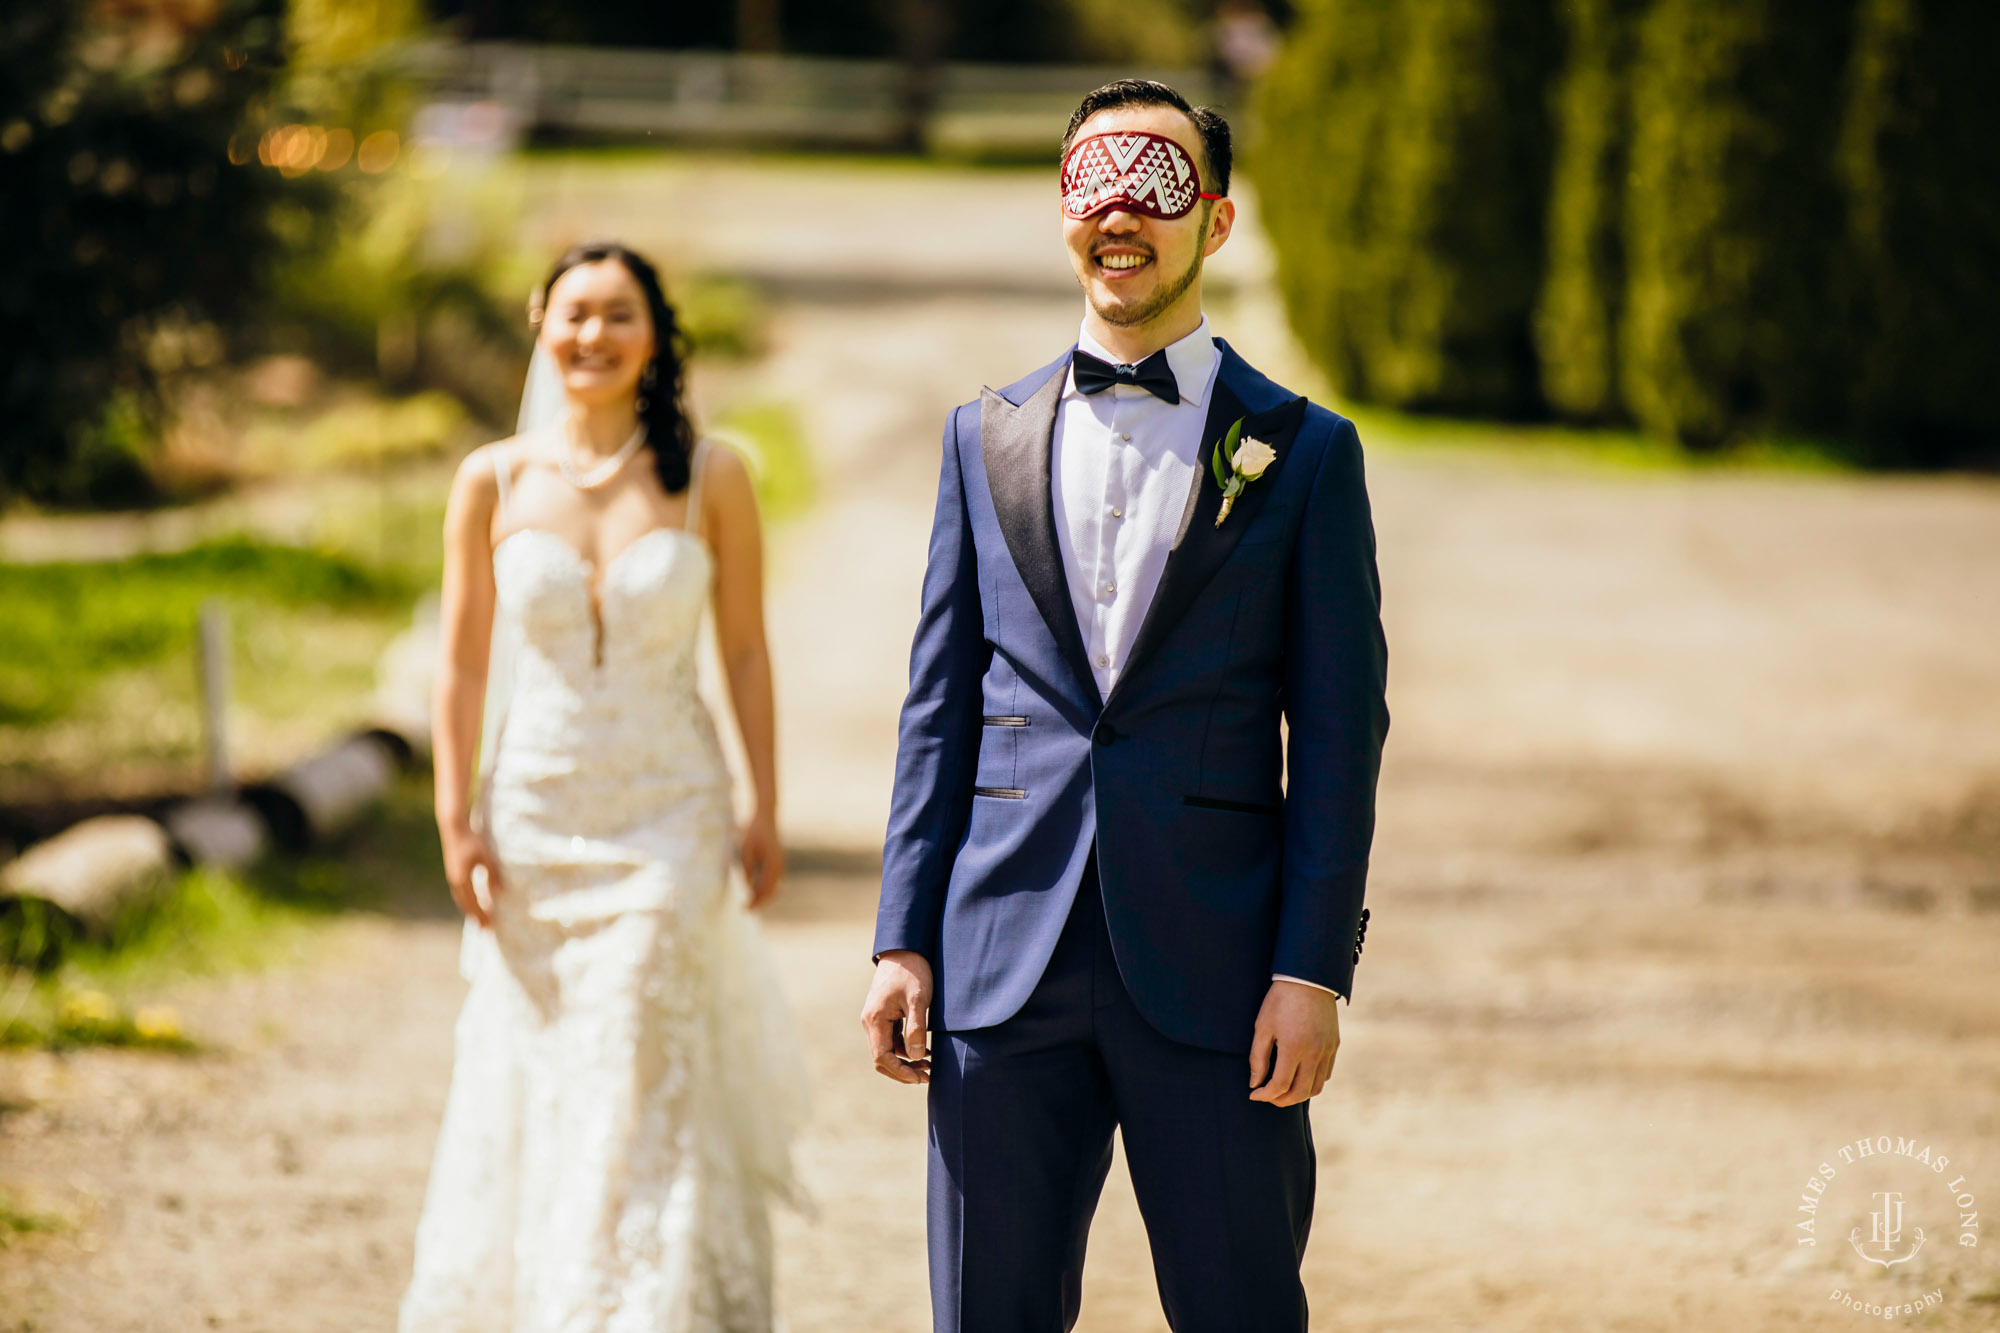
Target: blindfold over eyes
{"type": "Point", "coordinates": [1146, 173]}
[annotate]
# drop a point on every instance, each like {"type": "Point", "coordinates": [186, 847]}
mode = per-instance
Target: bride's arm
{"type": "Point", "coordinates": [465, 614]}
{"type": "Point", "coordinates": [729, 516]}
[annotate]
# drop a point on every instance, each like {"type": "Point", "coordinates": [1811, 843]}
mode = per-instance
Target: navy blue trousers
{"type": "Point", "coordinates": [1021, 1117]}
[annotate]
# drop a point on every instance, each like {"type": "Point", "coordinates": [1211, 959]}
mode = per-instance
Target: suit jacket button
{"type": "Point", "coordinates": [1104, 735]}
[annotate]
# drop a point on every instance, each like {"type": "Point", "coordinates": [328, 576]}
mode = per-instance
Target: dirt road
{"type": "Point", "coordinates": [1686, 880]}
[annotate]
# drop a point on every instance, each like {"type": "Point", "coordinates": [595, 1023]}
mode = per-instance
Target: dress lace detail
{"type": "Point", "coordinates": [626, 1082]}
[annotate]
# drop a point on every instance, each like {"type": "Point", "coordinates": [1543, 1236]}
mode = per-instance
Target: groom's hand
{"type": "Point", "coordinates": [1293, 1044]}
{"type": "Point", "coordinates": [897, 1015]}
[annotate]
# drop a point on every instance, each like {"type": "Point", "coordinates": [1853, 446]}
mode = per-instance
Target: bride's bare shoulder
{"type": "Point", "coordinates": [475, 488]}
{"type": "Point", "coordinates": [728, 483]}
{"type": "Point", "coordinates": [723, 461]}
{"type": "Point", "coordinates": [478, 471]}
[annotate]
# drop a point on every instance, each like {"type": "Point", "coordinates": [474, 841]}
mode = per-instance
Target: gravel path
{"type": "Point", "coordinates": [1685, 880]}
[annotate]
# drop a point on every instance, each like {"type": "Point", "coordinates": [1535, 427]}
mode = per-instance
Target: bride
{"type": "Point", "coordinates": [625, 1085]}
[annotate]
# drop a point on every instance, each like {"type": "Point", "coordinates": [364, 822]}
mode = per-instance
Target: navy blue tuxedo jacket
{"type": "Point", "coordinates": [1225, 854]}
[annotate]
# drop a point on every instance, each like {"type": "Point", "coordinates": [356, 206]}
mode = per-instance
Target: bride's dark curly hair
{"type": "Point", "coordinates": [662, 405]}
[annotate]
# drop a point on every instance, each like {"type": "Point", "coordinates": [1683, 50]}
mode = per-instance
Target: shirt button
{"type": "Point", "coordinates": [1117, 513]}
{"type": "Point", "coordinates": [1125, 436]}
{"type": "Point", "coordinates": [1110, 588]}
{"type": "Point", "coordinates": [1103, 660]}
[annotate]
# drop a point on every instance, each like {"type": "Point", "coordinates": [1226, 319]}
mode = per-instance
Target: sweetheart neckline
{"type": "Point", "coordinates": [585, 561]}
{"type": "Point", "coordinates": [593, 587]}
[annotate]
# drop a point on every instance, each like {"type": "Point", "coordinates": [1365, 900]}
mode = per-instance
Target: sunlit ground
{"type": "Point", "coordinates": [1683, 877]}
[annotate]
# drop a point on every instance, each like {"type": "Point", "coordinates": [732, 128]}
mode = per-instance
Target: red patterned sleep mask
{"type": "Point", "coordinates": [1146, 173]}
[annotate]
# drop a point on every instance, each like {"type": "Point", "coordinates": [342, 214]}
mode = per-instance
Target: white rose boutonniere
{"type": "Point", "coordinates": [1252, 457]}
{"type": "Point", "coordinates": [1248, 458]}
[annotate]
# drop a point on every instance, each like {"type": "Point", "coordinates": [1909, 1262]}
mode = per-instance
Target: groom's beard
{"type": "Point", "coordinates": [1163, 297]}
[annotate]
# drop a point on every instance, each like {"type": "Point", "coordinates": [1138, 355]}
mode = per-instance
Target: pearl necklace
{"type": "Point", "coordinates": [593, 478]}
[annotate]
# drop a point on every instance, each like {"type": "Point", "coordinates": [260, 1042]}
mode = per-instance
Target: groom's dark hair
{"type": "Point", "coordinates": [1208, 122]}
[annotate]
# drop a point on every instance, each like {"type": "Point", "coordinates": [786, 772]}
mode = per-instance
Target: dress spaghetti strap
{"type": "Point", "coordinates": [501, 468]}
{"type": "Point", "coordinates": [697, 465]}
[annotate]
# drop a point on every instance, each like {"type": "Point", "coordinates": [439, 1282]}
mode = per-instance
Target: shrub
{"type": "Point", "coordinates": [1919, 166]}
{"type": "Point", "coordinates": [412, 280]}
{"type": "Point", "coordinates": [125, 221]}
{"type": "Point", "coordinates": [1776, 218]}
{"type": "Point", "coordinates": [1731, 321]}
{"type": "Point", "coordinates": [1404, 170]}
{"type": "Point", "coordinates": [1583, 292]}
{"type": "Point", "coordinates": [360, 431]}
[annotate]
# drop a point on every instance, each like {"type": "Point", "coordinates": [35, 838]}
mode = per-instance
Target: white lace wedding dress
{"type": "Point", "coordinates": [625, 1084]}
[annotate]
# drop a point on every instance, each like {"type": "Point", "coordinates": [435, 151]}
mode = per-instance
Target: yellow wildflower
{"type": "Point", "coordinates": [157, 1022]}
{"type": "Point", "coordinates": [81, 1007]}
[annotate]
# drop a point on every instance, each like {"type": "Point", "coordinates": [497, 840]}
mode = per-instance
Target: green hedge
{"type": "Point", "coordinates": [1764, 218]}
{"type": "Point", "coordinates": [1919, 167]}
{"type": "Point", "coordinates": [1732, 220]}
{"type": "Point", "coordinates": [1404, 167]}
{"type": "Point", "coordinates": [1582, 299]}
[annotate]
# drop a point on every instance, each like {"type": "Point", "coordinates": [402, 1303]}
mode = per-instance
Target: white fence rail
{"type": "Point", "coordinates": [715, 97]}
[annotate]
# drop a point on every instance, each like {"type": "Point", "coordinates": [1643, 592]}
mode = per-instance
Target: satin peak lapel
{"type": "Point", "coordinates": [1200, 547]}
{"type": "Point", "coordinates": [1016, 443]}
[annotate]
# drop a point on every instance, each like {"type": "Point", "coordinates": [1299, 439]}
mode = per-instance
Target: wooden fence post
{"type": "Point", "coordinates": [214, 654]}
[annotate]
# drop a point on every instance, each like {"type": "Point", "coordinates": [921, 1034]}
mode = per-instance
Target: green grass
{"type": "Point", "coordinates": [1547, 445]}
{"type": "Point", "coordinates": [722, 316]}
{"type": "Point", "coordinates": [98, 665]}
{"type": "Point", "coordinates": [59, 1018]}
{"type": "Point", "coordinates": [18, 1220]}
{"type": "Point", "coordinates": [70, 625]}
{"type": "Point", "coordinates": [201, 923]}
{"type": "Point", "coordinates": [207, 923]}
{"type": "Point", "coordinates": [774, 445]}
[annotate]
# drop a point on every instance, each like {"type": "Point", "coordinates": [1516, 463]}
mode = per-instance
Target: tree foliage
{"type": "Point", "coordinates": [1404, 169]}
{"type": "Point", "coordinates": [1732, 220]}
{"type": "Point", "coordinates": [1772, 217]}
{"type": "Point", "coordinates": [128, 237]}
{"type": "Point", "coordinates": [1582, 300]}
{"type": "Point", "coordinates": [1918, 167]}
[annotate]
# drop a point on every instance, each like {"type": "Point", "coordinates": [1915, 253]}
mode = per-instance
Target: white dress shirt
{"type": "Point", "coordinates": [1122, 463]}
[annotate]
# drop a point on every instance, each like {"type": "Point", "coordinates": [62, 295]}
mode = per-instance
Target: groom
{"type": "Point", "coordinates": [1113, 894]}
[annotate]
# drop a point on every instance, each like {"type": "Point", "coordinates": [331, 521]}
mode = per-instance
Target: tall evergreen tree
{"type": "Point", "coordinates": [1583, 293]}
{"type": "Point", "coordinates": [1731, 322]}
{"type": "Point", "coordinates": [1405, 171]}
{"type": "Point", "coordinates": [1919, 165]}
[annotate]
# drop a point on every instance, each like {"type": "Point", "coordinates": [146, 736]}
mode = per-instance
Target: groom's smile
{"type": "Point", "coordinates": [1121, 261]}
{"type": "Point", "coordinates": [1137, 269]}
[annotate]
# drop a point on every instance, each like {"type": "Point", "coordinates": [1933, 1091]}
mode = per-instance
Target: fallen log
{"type": "Point", "coordinates": [80, 882]}
{"type": "Point", "coordinates": [327, 793]}
{"type": "Point", "coordinates": [217, 831]}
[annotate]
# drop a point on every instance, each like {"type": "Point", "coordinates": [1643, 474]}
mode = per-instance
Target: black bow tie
{"type": "Point", "coordinates": [1153, 375]}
